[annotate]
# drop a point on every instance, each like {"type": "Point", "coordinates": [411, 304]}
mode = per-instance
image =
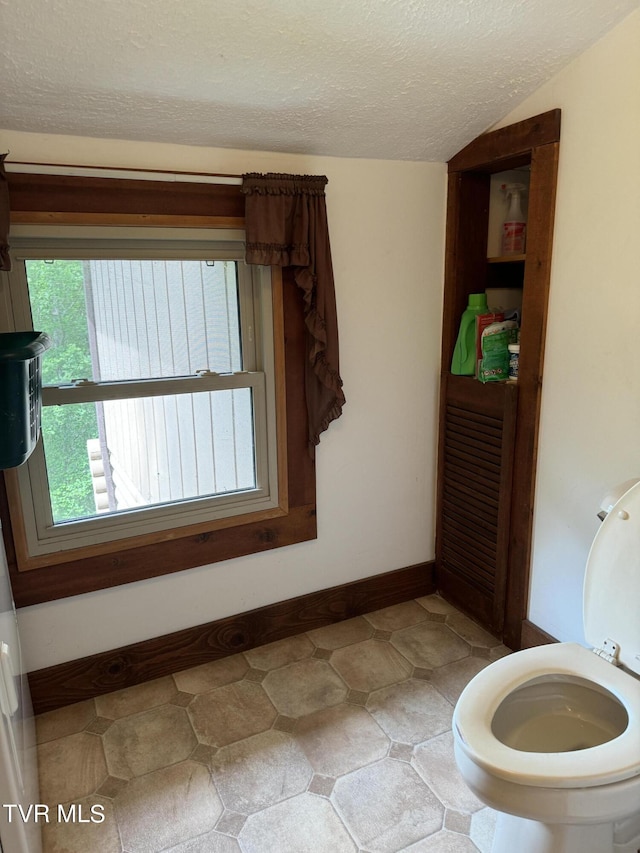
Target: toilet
{"type": "Point", "coordinates": [550, 736]}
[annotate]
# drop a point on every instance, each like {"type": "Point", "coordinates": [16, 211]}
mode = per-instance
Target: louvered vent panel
{"type": "Point", "coordinates": [471, 496]}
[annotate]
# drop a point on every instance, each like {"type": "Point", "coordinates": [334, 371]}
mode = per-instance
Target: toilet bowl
{"type": "Point", "coordinates": [550, 736]}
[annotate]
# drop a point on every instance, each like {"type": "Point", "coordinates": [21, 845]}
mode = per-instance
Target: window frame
{"type": "Point", "coordinates": [53, 541]}
{"type": "Point", "coordinates": [73, 200]}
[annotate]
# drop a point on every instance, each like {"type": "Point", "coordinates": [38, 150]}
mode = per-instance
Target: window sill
{"type": "Point", "coordinates": [107, 569]}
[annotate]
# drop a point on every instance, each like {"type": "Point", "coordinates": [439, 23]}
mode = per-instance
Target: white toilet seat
{"type": "Point", "coordinates": [616, 760]}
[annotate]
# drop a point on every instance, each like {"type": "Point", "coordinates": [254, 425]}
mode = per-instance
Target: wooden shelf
{"type": "Point", "coordinates": [470, 388]}
{"type": "Point", "coordinates": [506, 259]}
{"type": "Point", "coordinates": [489, 431]}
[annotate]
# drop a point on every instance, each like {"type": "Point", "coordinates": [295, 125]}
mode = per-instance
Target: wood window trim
{"type": "Point", "coordinates": [65, 200]}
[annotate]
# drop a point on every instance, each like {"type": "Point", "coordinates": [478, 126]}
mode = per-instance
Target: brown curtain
{"type": "Point", "coordinates": [5, 260]}
{"type": "Point", "coordinates": [286, 226]}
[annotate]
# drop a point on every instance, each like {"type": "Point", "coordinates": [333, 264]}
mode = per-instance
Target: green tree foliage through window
{"type": "Point", "coordinates": [58, 308]}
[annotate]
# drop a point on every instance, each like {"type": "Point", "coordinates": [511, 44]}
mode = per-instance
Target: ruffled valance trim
{"type": "Point", "coordinates": [277, 254]}
{"type": "Point", "coordinates": [332, 414]}
{"type": "Point", "coordinates": [273, 183]}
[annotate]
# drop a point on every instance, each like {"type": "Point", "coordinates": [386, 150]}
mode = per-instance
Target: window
{"type": "Point", "coordinates": [158, 391]}
{"type": "Point", "coordinates": [283, 512]}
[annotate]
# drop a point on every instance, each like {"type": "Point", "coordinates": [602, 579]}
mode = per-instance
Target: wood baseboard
{"type": "Point", "coordinates": [95, 675]}
{"type": "Point", "coordinates": [532, 636]}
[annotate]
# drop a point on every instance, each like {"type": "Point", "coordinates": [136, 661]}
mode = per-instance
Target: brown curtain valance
{"type": "Point", "coordinates": [286, 225]}
{"type": "Point", "coordinates": [5, 260]}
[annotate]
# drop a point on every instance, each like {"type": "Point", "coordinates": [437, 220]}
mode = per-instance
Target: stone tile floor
{"type": "Point", "coordinates": [335, 740]}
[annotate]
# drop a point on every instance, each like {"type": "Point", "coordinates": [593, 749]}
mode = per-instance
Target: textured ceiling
{"type": "Point", "coordinates": [391, 79]}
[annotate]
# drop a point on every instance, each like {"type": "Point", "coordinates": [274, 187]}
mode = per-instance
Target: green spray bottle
{"type": "Point", "coordinates": [464, 354]}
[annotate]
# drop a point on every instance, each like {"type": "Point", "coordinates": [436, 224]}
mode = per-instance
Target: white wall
{"type": "Point", "coordinates": [375, 466]}
{"type": "Point", "coordinates": [590, 426]}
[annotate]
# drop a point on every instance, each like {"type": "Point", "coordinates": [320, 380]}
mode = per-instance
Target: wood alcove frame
{"type": "Point", "coordinates": [535, 143]}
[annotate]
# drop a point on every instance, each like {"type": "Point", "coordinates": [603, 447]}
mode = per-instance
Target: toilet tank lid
{"type": "Point", "coordinates": [612, 581]}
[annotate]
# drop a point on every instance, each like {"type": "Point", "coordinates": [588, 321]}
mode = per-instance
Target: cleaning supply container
{"type": "Point", "coordinates": [514, 227]}
{"type": "Point", "coordinates": [463, 362]}
{"type": "Point", "coordinates": [514, 362]}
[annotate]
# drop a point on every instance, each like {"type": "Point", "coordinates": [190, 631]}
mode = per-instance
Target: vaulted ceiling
{"type": "Point", "coordinates": [390, 79]}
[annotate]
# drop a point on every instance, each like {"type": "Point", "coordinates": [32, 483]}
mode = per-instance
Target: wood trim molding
{"type": "Point", "coordinates": [533, 636]}
{"type": "Point", "coordinates": [57, 194]}
{"type": "Point", "coordinates": [162, 558]}
{"type": "Point", "coordinates": [78, 680]}
{"type": "Point", "coordinates": [518, 139]}
{"type": "Point", "coordinates": [122, 219]}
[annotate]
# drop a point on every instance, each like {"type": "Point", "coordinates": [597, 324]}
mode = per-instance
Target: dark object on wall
{"type": "Point", "coordinates": [20, 394]}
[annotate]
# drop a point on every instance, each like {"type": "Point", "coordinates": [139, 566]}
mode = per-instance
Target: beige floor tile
{"type": "Point", "coordinates": [435, 604]}
{"type": "Point", "coordinates": [430, 644]}
{"type": "Point", "coordinates": [144, 742]}
{"type": "Point", "coordinates": [471, 631]}
{"type": "Point", "coordinates": [410, 712]}
{"type": "Point", "coordinates": [454, 677]}
{"type": "Point", "coordinates": [444, 842]}
{"type": "Point", "coordinates": [341, 739]}
{"type": "Point", "coordinates": [71, 767]}
{"type": "Point", "coordinates": [341, 633]}
{"type": "Point", "coordinates": [483, 825]}
{"type": "Point", "coordinates": [65, 721]}
{"type": "Point", "coordinates": [231, 713]}
{"type": "Point", "coordinates": [132, 700]}
{"type": "Point", "coordinates": [370, 664]}
{"type": "Point", "coordinates": [280, 653]}
{"type": "Point", "coordinates": [457, 821]}
{"type": "Point", "coordinates": [304, 687]}
{"type": "Point", "coordinates": [398, 616]}
{"type": "Point", "coordinates": [208, 676]}
{"type": "Point", "coordinates": [322, 785]}
{"type": "Point", "coordinates": [335, 741]}
{"type": "Point", "coordinates": [498, 652]}
{"type": "Point", "coordinates": [210, 842]}
{"type": "Point", "coordinates": [231, 823]}
{"type": "Point", "coordinates": [260, 771]}
{"type": "Point", "coordinates": [303, 824]}
{"type": "Point", "coordinates": [435, 763]}
{"type": "Point", "coordinates": [74, 836]}
{"type": "Point", "coordinates": [401, 751]}
{"type": "Point", "coordinates": [167, 807]}
{"type": "Point", "coordinates": [387, 807]}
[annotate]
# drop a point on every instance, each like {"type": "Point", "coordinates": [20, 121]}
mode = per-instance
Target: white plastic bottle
{"type": "Point", "coordinates": [514, 227]}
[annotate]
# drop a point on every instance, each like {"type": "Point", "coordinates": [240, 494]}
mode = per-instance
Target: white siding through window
{"type": "Point", "coordinates": [156, 318]}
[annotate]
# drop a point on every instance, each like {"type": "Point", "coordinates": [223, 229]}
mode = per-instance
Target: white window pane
{"type": "Point", "coordinates": [119, 455]}
{"type": "Point", "coordinates": [120, 319]}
